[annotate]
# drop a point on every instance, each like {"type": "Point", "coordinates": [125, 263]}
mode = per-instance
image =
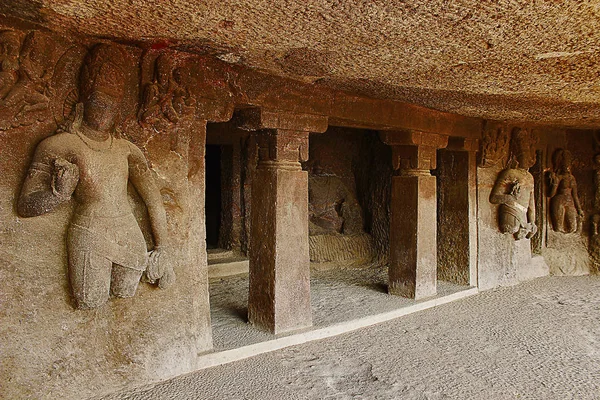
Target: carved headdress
{"type": "Point", "coordinates": [103, 71]}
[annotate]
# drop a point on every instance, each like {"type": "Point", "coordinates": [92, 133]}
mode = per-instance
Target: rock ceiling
{"type": "Point", "coordinates": [527, 60]}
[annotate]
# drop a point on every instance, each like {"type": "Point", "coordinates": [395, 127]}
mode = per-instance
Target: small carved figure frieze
{"type": "Point", "coordinates": [514, 188]}
{"type": "Point", "coordinates": [88, 161]}
{"type": "Point", "coordinates": [494, 144]}
{"type": "Point", "coordinates": [25, 75]}
{"type": "Point", "coordinates": [165, 98]}
{"type": "Point", "coordinates": [565, 210]}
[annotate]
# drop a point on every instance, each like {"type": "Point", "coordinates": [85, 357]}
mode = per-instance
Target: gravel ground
{"type": "Point", "coordinates": [538, 340]}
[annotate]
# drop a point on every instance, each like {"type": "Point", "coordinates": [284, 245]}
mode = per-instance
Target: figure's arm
{"type": "Point", "coordinates": [143, 181]}
{"type": "Point", "coordinates": [51, 180]}
{"type": "Point", "coordinates": [497, 195]}
{"type": "Point", "coordinates": [553, 181]}
{"type": "Point", "coordinates": [576, 196]}
{"type": "Point", "coordinates": [531, 208]}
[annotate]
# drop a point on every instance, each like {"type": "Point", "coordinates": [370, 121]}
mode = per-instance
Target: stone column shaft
{"type": "Point", "coordinates": [413, 223]}
{"type": "Point", "coordinates": [279, 296]}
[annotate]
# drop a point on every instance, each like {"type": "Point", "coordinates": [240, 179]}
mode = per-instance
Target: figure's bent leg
{"type": "Point", "coordinates": [508, 223]}
{"type": "Point", "coordinates": [89, 274]}
{"type": "Point", "coordinates": [570, 225]}
{"type": "Point", "coordinates": [124, 281]}
{"type": "Point", "coordinates": [557, 214]}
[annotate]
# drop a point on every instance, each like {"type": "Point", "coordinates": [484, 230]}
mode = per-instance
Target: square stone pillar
{"type": "Point", "coordinates": [413, 225]}
{"type": "Point", "coordinates": [457, 211]}
{"type": "Point", "coordinates": [279, 296]}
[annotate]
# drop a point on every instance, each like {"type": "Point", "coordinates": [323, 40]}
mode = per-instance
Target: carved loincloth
{"type": "Point", "coordinates": [118, 239]}
{"type": "Point", "coordinates": [516, 210]}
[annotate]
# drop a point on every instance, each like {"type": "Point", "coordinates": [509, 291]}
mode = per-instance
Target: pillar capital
{"type": "Point", "coordinates": [413, 152]}
{"type": "Point", "coordinates": [281, 148]}
{"type": "Point", "coordinates": [463, 144]}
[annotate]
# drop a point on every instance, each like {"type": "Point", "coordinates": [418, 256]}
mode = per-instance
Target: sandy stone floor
{"type": "Point", "coordinates": [336, 296]}
{"type": "Point", "coordinates": [538, 340]}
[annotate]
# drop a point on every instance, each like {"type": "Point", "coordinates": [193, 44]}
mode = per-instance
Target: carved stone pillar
{"type": "Point", "coordinates": [457, 211]}
{"type": "Point", "coordinates": [413, 225]}
{"type": "Point", "coordinates": [279, 297]}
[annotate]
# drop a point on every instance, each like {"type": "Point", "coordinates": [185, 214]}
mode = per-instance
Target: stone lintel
{"type": "Point", "coordinates": [214, 110]}
{"type": "Point", "coordinates": [254, 119]}
{"type": "Point", "coordinates": [413, 138]}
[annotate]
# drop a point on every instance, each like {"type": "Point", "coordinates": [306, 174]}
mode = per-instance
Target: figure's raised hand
{"type": "Point", "coordinates": [64, 178]}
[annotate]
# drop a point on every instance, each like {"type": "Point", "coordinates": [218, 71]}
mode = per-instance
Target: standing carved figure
{"type": "Point", "coordinates": [513, 189]}
{"type": "Point", "coordinates": [87, 160]}
{"type": "Point", "coordinates": [565, 208]}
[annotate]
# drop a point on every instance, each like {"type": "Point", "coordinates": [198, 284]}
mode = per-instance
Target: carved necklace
{"type": "Point", "coordinates": [95, 145]}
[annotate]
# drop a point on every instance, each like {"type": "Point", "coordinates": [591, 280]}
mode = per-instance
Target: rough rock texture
{"type": "Point", "coordinates": [513, 60]}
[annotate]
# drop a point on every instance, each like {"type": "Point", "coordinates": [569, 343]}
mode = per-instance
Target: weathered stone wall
{"type": "Point", "coordinates": [49, 348]}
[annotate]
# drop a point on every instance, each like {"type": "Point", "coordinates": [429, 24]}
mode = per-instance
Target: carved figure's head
{"type": "Point", "coordinates": [561, 160]}
{"type": "Point", "coordinates": [10, 44]}
{"type": "Point", "coordinates": [163, 69]}
{"type": "Point", "coordinates": [102, 86]}
{"type": "Point", "coordinates": [522, 147]}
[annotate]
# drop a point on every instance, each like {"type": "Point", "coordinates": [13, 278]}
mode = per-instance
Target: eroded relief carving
{"type": "Point", "coordinates": [565, 209]}
{"type": "Point", "coordinates": [165, 98]}
{"type": "Point", "coordinates": [513, 189]}
{"type": "Point", "coordinates": [336, 226]}
{"type": "Point", "coordinates": [24, 77]}
{"type": "Point", "coordinates": [333, 208]}
{"type": "Point", "coordinates": [88, 160]}
{"type": "Point", "coordinates": [494, 144]}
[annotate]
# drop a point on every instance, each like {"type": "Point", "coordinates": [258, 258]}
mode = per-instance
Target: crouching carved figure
{"type": "Point", "coordinates": [513, 189]}
{"type": "Point", "coordinates": [565, 209]}
{"type": "Point", "coordinates": [87, 160]}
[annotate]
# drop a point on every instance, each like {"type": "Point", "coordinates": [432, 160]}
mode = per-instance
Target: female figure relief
{"type": "Point", "coordinates": [106, 249]}
{"type": "Point", "coordinates": [564, 203]}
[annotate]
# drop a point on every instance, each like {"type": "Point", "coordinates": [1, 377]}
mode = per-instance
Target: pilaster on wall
{"type": "Point", "coordinates": [279, 296]}
{"type": "Point", "coordinates": [457, 211]}
{"type": "Point", "coordinates": [413, 225]}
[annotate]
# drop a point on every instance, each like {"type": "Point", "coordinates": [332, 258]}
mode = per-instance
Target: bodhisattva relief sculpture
{"type": "Point", "coordinates": [87, 160]}
{"type": "Point", "coordinates": [514, 186]}
{"type": "Point", "coordinates": [565, 209]}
